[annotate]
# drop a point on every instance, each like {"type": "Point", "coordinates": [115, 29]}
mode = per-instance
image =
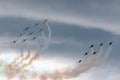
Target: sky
{"type": "Point", "coordinates": [75, 24]}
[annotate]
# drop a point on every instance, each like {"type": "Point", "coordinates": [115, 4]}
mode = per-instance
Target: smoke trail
{"type": "Point", "coordinates": [49, 35]}
{"type": "Point", "coordinates": [100, 52]}
{"type": "Point", "coordinates": [13, 63]}
{"type": "Point", "coordinates": [21, 52]}
{"type": "Point", "coordinates": [105, 56]}
{"type": "Point", "coordinates": [99, 56]}
{"type": "Point", "coordinates": [47, 41]}
{"type": "Point", "coordinates": [22, 58]}
{"type": "Point", "coordinates": [78, 69]}
{"type": "Point", "coordinates": [29, 62]}
{"type": "Point", "coordinates": [68, 73]}
{"type": "Point", "coordinates": [89, 55]}
{"type": "Point", "coordinates": [72, 72]}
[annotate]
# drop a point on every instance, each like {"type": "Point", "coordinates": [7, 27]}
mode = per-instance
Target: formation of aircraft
{"type": "Point", "coordinates": [30, 33]}
{"type": "Point", "coordinates": [91, 46]}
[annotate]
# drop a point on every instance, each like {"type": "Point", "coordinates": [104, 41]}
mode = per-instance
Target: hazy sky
{"type": "Point", "coordinates": [75, 24]}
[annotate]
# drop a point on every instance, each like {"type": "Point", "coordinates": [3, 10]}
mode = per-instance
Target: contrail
{"type": "Point", "coordinates": [49, 35]}
{"type": "Point", "coordinates": [99, 56]}
{"type": "Point", "coordinates": [105, 56]}
{"type": "Point", "coordinates": [24, 65]}
{"type": "Point", "coordinates": [46, 40]}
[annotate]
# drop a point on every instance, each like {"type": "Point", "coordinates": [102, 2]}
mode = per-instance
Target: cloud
{"type": "Point", "coordinates": [90, 14]}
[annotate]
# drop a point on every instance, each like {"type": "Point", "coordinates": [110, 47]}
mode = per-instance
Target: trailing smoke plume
{"type": "Point", "coordinates": [85, 65]}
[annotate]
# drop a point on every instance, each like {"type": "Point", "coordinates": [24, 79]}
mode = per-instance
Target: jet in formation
{"type": "Point", "coordinates": [41, 30]}
{"type": "Point", "coordinates": [91, 46]}
{"type": "Point", "coordinates": [110, 43]}
{"type": "Point", "coordinates": [44, 21]}
{"type": "Point", "coordinates": [101, 44]}
{"type": "Point", "coordinates": [14, 41]}
{"type": "Point", "coordinates": [80, 61]}
{"type": "Point", "coordinates": [86, 54]}
{"type": "Point", "coordinates": [31, 33]}
{"type": "Point", "coordinates": [27, 28]}
{"type": "Point", "coordinates": [34, 38]}
{"type": "Point", "coordinates": [24, 40]}
{"type": "Point", "coordinates": [94, 53]}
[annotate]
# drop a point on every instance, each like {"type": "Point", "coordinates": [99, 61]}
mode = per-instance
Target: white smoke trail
{"type": "Point", "coordinates": [99, 56]}
{"type": "Point", "coordinates": [78, 69]}
{"type": "Point", "coordinates": [66, 73]}
{"type": "Point", "coordinates": [46, 40]}
{"type": "Point", "coordinates": [49, 35]}
{"type": "Point", "coordinates": [105, 56]}
{"type": "Point", "coordinates": [72, 72]}
{"type": "Point", "coordinates": [100, 52]}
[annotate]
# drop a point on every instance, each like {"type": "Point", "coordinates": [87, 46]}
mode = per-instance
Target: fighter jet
{"type": "Point", "coordinates": [31, 33]}
{"type": "Point", "coordinates": [20, 35]}
{"type": "Point", "coordinates": [91, 46]}
{"type": "Point", "coordinates": [26, 28]}
{"type": "Point", "coordinates": [110, 43]}
{"type": "Point", "coordinates": [86, 54]}
{"type": "Point", "coordinates": [35, 24]}
{"type": "Point", "coordinates": [94, 53]}
{"type": "Point", "coordinates": [101, 44]}
{"type": "Point", "coordinates": [41, 30]}
{"type": "Point", "coordinates": [34, 38]}
{"type": "Point", "coordinates": [80, 61]}
{"type": "Point", "coordinates": [24, 40]}
{"type": "Point", "coordinates": [44, 21]}
{"type": "Point", "coordinates": [14, 41]}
